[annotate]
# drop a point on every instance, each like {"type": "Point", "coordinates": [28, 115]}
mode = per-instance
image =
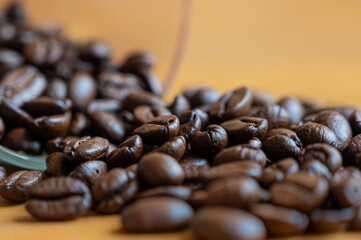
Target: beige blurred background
{"type": "Point", "coordinates": [310, 48]}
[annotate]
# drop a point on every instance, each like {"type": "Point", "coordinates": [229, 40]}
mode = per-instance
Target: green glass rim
{"type": "Point", "coordinates": [20, 160]}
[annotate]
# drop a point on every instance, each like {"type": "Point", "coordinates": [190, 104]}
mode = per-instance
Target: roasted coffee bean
{"type": "Point", "coordinates": [231, 105]}
{"type": "Point", "coordinates": [346, 188]}
{"type": "Point", "coordinates": [316, 167]}
{"type": "Point", "coordinates": [201, 95]}
{"type": "Point", "coordinates": [240, 153]}
{"type": "Point", "coordinates": [324, 153]}
{"type": "Point", "coordinates": [86, 149]}
{"type": "Point", "coordinates": [180, 192]}
{"type": "Point", "coordinates": [311, 133]}
{"type": "Point", "coordinates": [59, 198]}
{"type": "Point", "coordinates": [353, 148]}
{"type": "Point", "coordinates": [107, 125]}
{"type": "Point", "coordinates": [58, 144]}
{"type": "Point", "coordinates": [56, 89]}
{"type": "Point", "coordinates": [138, 98]}
{"type": "Point", "coordinates": [138, 62]}
{"type": "Point", "coordinates": [288, 166]}
{"type": "Point", "coordinates": [12, 115]}
{"type": "Point", "coordinates": [243, 129]}
{"type": "Point", "coordinates": [276, 116]}
{"type": "Point", "coordinates": [209, 223]}
{"type": "Point", "coordinates": [81, 90]}
{"type": "Point", "coordinates": [338, 124]}
{"type": "Point", "coordinates": [193, 166]}
{"type": "Point", "coordinates": [127, 153]}
{"type": "Point", "coordinates": [263, 99]}
{"type": "Point", "coordinates": [2, 128]}
{"type": "Point", "coordinates": [51, 126]}
{"type": "Point", "coordinates": [356, 222]}
{"type": "Point", "coordinates": [209, 142]}
{"type": "Point", "coordinates": [145, 113]}
{"type": "Point", "coordinates": [16, 187]}
{"type": "Point", "coordinates": [301, 191]}
{"type": "Point", "coordinates": [90, 172]}
{"type": "Point", "coordinates": [104, 105]}
{"type": "Point", "coordinates": [271, 175]}
{"type": "Point", "coordinates": [20, 139]}
{"type": "Point", "coordinates": [203, 115]}
{"type": "Point", "coordinates": [280, 221]}
{"type": "Point", "coordinates": [156, 214]}
{"type": "Point", "coordinates": [57, 165]}
{"type": "Point", "coordinates": [294, 107]}
{"type": "Point", "coordinates": [151, 82]}
{"type": "Point", "coordinates": [179, 105]}
{"type": "Point", "coordinates": [158, 169]}
{"type": "Point", "coordinates": [9, 60]}
{"type": "Point", "coordinates": [254, 143]}
{"type": "Point", "coordinates": [198, 199]}
{"type": "Point", "coordinates": [15, 12]}
{"type": "Point", "coordinates": [235, 191]}
{"type": "Point", "coordinates": [78, 124]}
{"type": "Point", "coordinates": [113, 191]}
{"type": "Point", "coordinates": [95, 51]}
{"type": "Point", "coordinates": [355, 122]}
{"type": "Point", "coordinates": [329, 220]}
{"type": "Point", "coordinates": [47, 106]}
{"type": "Point", "coordinates": [43, 51]}
{"type": "Point", "coordinates": [190, 123]}
{"type": "Point", "coordinates": [132, 171]}
{"type": "Point", "coordinates": [158, 130]}
{"type": "Point", "coordinates": [232, 169]}
{"type": "Point", "coordinates": [22, 85]}
{"type": "Point", "coordinates": [174, 147]}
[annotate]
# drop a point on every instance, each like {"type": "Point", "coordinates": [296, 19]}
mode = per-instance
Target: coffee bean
{"type": "Point", "coordinates": [12, 115]}
{"type": "Point", "coordinates": [263, 99]}
{"type": "Point", "coordinates": [180, 192]}
{"type": "Point", "coordinates": [138, 98]}
{"type": "Point", "coordinates": [209, 142]}
{"type": "Point", "coordinates": [90, 172]}
{"type": "Point", "coordinates": [42, 106]}
{"type": "Point", "coordinates": [57, 165]}
{"type": "Point", "coordinates": [95, 51]}
{"type": "Point", "coordinates": [58, 144]}
{"type": "Point", "coordinates": [329, 220]}
{"type": "Point", "coordinates": [271, 175]}
{"type": "Point", "coordinates": [151, 82]}
{"type": "Point", "coordinates": [2, 173]}
{"type": "Point", "coordinates": [78, 124]}
{"type": "Point", "coordinates": [127, 153]}
{"type": "Point", "coordinates": [86, 149]}
{"type": "Point", "coordinates": [2, 128]}
{"type": "Point", "coordinates": [15, 12]}
{"type": "Point", "coordinates": [240, 153]}
{"type": "Point", "coordinates": [59, 198]}
{"type": "Point", "coordinates": [294, 108]}
{"type": "Point", "coordinates": [138, 62]}
{"type": "Point", "coordinates": [16, 187]}
{"type": "Point", "coordinates": [288, 166]}
{"type": "Point", "coordinates": [190, 123]}
{"type": "Point", "coordinates": [353, 148]}
{"type": "Point", "coordinates": [201, 95]}
{"type": "Point", "coordinates": [203, 115]}
{"type": "Point", "coordinates": [209, 223]}
{"type": "Point", "coordinates": [20, 139]}
{"type": "Point", "coordinates": [193, 166]}
{"type": "Point", "coordinates": [158, 130]}
{"type": "Point", "coordinates": [276, 116]}
{"type": "Point", "coordinates": [51, 126]}
{"type": "Point", "coordinates": [81, 90]}
{"type": "Point", "coordinates": [231, 105]}
{"type": "Point", "coordinates": [104, 105]}
{"type": "Point", "coordinates": [280, 221]}
{"type": "Point", "coordinates": [355, 122]}
{"type": "Point", "coordinates": [179, 105]}
{"type": "Point", "coordinates": [9, 60]}
{"type": "Point", "coordinates": [318, 168]}
{"type": "Point", "coordinates": [300, 191]}
{"type": "Point", "coordinates": [145, 113]}
{"type": "Point", "coordinates": [157, 169]}
{"type": "Point", "coordinates": [356, 221]}
{"type": "Point", "coordinates": [311, 133]}
{"type": "Point", "coordinates": [174, 147]}
{"type": "Point", "coordinates": [113, 191]}
{"type": "Point", "coordinates": [132, 171]}
{"type": "Point", "coordinates": [43, 51]}
{"type": "Point", "coordinates": [56, 89]}
{"type": "Point", "coordinates": [156, 214]}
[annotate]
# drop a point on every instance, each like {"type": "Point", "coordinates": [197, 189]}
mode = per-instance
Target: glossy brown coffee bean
{"type": "Point", "coordinates": [311, 133]}
{"type": "Point", "coordinates": [57, 165]}
{"type": "Point", "coordinates": [157, 169]}
{"type": "Point", "coordinates": [13, 115]}
{"type": "Point", "coordinates": [78, 124]}
{"type": "Point", "coordinates": [58, 144]}
{"type": "Point", "coordinates": [280, 221]}
{"type": "Point", "coordinates": [127, 153]}
{"type": "Point", "coordinates": [113, 191]}
{"type": "Point", "coordinates": [263, 99]}
{"type": "Point", "coordinates": [209, 142]}
{"type": "Point", "coordinates": [56, 89]}
{"type": "Point", "coordinates": [158, 130]}
{"type": "Point", "coordinates": [156, 214]}
{"type": "Point", "coordinates": [43, 51]}
{"type": "Point", "coordinates": [287, 165]}
{"type": "Point", "coordinates": [132, 171]}
{"type": "Point", "coordinates": [209, 223]}
{"type": "Point", "coordinates": [179, 105]}
{"type": "Point", "coordinates": [59, 198]}
{"type": "Point", "coordinates": [301, 191]}
{"type": "Point", "coordinates": [138, 98]}
{"type": "Point", "coordinates": [330, 220]}
{"type": "Point", "coordinates": [294, 108]}
{"type": "Point", "coordinates": [201, 95]}
{"type": "Point", "coordinates": [281, 146]}
{"type": "Point", "coordinates": [51, 126]}
{"type": "Point", "coordinates": [276, 116]}
{"type": "Point", "coordinates": [203, 115]}
{"type": "Point", "coordinates": [108, 126]}
{"type": "Point", "coordinates": [145, 113]}
{"type": "Point", "coordinates": [355, 122]}
{"type": "Point", "coordinates": [356, 221]}
{"type": "Point", "coordinates": [16, 187]}
{"type": "Point", "coordinates": [138, 62]}
{"type": "Point", "coordinates": [270, 175]}
{"type": "Point", "coordinates": [104, 105]}
{"type": "Point", "coordinates": [353, 148]}
{"type": "Point", "coordinates": [95, 51]}
{"type": "Point", "coordinates": [22, 85]}
{"type": "Point", "coordinates": [90, 172]}
{"type": "Point", "coordinates": [20, 139]}
{"type": "Point", "coordinates": [193, 166]}
{"type": "Point", "coordinates": [174, 147]}
{"type": "Point", "coordinates": [180, 192]}
{"type": "Point", "coordinates": [231, 105]}
{"type": "Point", "coordinates": [318, 168]}
{"type": "Point", "coordinates": [151, 82]}
{"type": "Point", "coordinates": [86, 149]}
{"type": "Point", "coordinates": [81, 90]}
{"type": "Point", "coordinates": [190, 123]}
{"type": "Point", "coordinates": [338, 124]}
{"type": "Point", "coordinates": [240, 153]}
{"type": "Point", "coordinates": [42, 106]}
{"type": "Point", "coordinates": [9, 60]}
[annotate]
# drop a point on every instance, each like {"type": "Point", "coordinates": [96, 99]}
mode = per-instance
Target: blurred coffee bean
{"type": "Point", "coordinates": [263, 99]}
{"type": "Point", "coordinates": [190, 123]}
{"type": "Point", "coordinates": [104, 105]}
{"type": "Point", "coordinates": [180, 192]}
{"type": "Point", "coordinates": [138, 62]}
{"type": "Point", "coordinates": [179, 105]}
{"type": "Point", "coordinates": [356, 221]}
{"type": "Point", "coordinates": [145, 113]}
{"type": "Point", "coordinates": [51, 126]}
{"type": "Point", "coordinates": [13, 115]}
{"type": "Point", "coordinates": [287, 165]}
{"type": "Point", "coordinates": [20, 139]}
{"type": "Point", "coordinates": [294, 108]}
{"type": "Point", "coordinates": [95, 51]}
{"type": "Point", "coordinates": [355, 122]}
{"type": "Point", "coordinates": [57, 165]}
{"type": "Point", "coordinates": [43, 51]}
{"type": "Point", "coordinates": [2, 173]}
{"type": "Point", "coordinates": [8, 33]}
{"type": "Point", "coordinates": [16, 13]}
{"type": "Point", "coordinates": [318, 168]}
{"type": "Point", "coordinates": [90, 172]}
{"type": "Point", "coordinates": [329, 220]}
{"type": "Point", "coordinates": [57, 89]}
{"type": "Point", "coordinates": [353, 148]}
{"type": "Point", "coordinates": [201, 95]}
{"type": "Point", "coordinates": [138, 98]}
{"type": "Point", "coordinates": [193, 166]}
{"type": "Point", "coordinates": [42, 106]}
{"type": "Point", "coordinates": [271, 175]}
{"type": "Point", "coordinates": [276, 116]}
{"type": "Point", "coordinates": [311, 133]}
{"type": "Point", "coordinates": [174, 147]}
{"type": "Point", "coordinates": [9, 60]}
{"type": "Point", "coordinates": [203, 115]}
{"type": "Point", "coordinates": [78, 124]}
{"type": "Point", "coordinates": [209, 142]}
{"type": "Point", "coordinates": [81, 90]}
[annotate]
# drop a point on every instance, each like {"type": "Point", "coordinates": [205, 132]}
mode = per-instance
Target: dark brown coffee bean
{"type": "Point", "coordinates": [276, 116]}
{"type": "Point", "coordinates": [138, 62]}
{"type": "Point", "coordinates": [57, 89]}
{"type": "Point", "coordinates": [16, 187]}
{"type": "Point", "coordinates": [113, 191]}
{"type": "Point", "coordinates": [263, 99]}
{"type": "Point", "coordinates": [179, 105]}
{"type": "Point", "coordinates": [231, 105]}
{"type": "Point", "coordinates": [78, 124]}
{"type": "Point", "coordinates": [203, 115]}
{"type": "Point", "coordinates": [209, 142]}
{"type": "Point", "coordinates": [95, 51]}
{"type": "Point", "coordinates": [138, 98]}
{"type": "Point", "coordinates": [151, 82]}
{"type": "Point", "coordinates": [271, 175]}
{"type": "Point", "coordinates": [12, 115]}
{"type": "Point", "coordinates": [158, 169]}
{"type": "Point", "coordinates": [107, 125]}
{"type": "Point", "coordinates": [180, 192]}
{"type": "Point", "coordinates": [127, 153]}
{"type": "Point", "coordinates": [51, 126]}
{"type": "Point", "coordinates": [104, 105]}
{"type": "Point", "coordinates": [355, 122]}
{"type": "Point", "coordinates": [294, 107]}
{"type": "Point", "coordinates": [90, 172]}
{"type": "Point", "coordinates": [145, 113]}
{"type": "Point", "coordinates": [9, 60]}
{"type": "Point", "coordinates": [20, 139]}
{"type": "Point", "coordinates": [57, 165]}
{"type": "Point", "coordinates": [241, 130]}
{"type": "Point", "coordinates": [132, 171]}
{"type": "Point", "coordinates": [59, 198]}
{"type": "Point", "coordinates": [190, 124]}
{"type": "Point", "coordinates": [311, 133]}
{"type": "Point", "coordinates": [353, 148]}
{"type": "Point", "coordinates": [235, 191]}
{"type": "Point", "coordinates": [81, 90]}
{"type": "Point", "coordinates": [43, 51]}
{"type": "Point", "coordinates": [22, 85]}
{"type": "Point", "coordinates": [201, 95]}
{"type": "Point", "coordinates": [58, 144]}
{"type": "Point", "coordinates": [254, 143]}
{"type": "Point", "coordinates": [174, 147]}
{"type": "Point", "coordinates": [16, 13]}
{"type": "Point", "coordinates": [329, 220]}
{"type": "Point", "coordinates": [338, 124]}
{"type": "Point", "coordinates": [240, 153]}
{"type": "Point", "coordinates": [158, 130]}
{"type": "Point", "coordinates": [318, 168]}
{"type": "Point", "coordinates": [288, 166]}
{"type": "Point", "coordinates": [356, 222]}
{"type": "Point", "coordinates": [86, 149]}
{"type": "Point", "coordinates": [156, 214]}
{"type": "Point", "coordinates": [279, 221]}
{"type": "Point", "coordinates": [346, 188]}
{"type": "Point", "coordinates": [301, 191]}
{"type": "Point", "coordinates": [209, 223]}
{"type": "Point", "coordinates": [42, 106]}
{"type": "Point", "coordinates": [2, 128]}
{"type": "Point", "coordinates": [324, 153]}
{"type": "Point", "coordinates": [193, 166]}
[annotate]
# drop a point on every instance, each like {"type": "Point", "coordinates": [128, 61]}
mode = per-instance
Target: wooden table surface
{"type": "Point", "coordinates": [308, 48]}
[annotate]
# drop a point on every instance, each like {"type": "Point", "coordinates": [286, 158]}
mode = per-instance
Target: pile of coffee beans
{"type": "Point", "coordinates": [238, 165]}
